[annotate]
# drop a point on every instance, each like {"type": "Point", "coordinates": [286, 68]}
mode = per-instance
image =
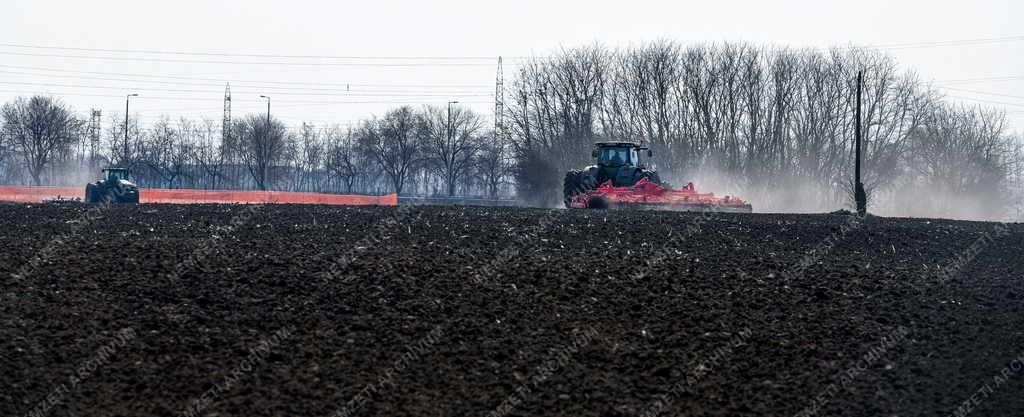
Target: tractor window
{"type": "Point", "coordinates": [115, 175]}
{"type": "Point", "coordinates": [617, 156]}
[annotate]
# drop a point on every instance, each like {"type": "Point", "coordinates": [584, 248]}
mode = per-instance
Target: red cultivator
{"type": "Point", "coordinates": [651, 196]}
{"type": "Point", "coordinates": [627, 183]}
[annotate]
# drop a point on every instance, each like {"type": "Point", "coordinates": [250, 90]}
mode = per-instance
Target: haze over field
{"type": "Point", "coordinates": [914, 32]}
{"type": "Point", "coordinates": [754, 100]}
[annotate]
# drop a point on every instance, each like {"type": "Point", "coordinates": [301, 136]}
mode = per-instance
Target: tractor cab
{"type": "Point", "coordinates": [618, 161]}
{"type": "Point", "coordinates": [115, 174]}
{"type": "Point", "coordinates": [618, 154]}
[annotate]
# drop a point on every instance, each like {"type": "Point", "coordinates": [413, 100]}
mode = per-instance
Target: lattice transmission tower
{"type": "Point", "coordinates": [225, 133]}
{"type": "Point", "coordinates": [94, 137]}
{"type": "Point", "coordinates": [499, 103]}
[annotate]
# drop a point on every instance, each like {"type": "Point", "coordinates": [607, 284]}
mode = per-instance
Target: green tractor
{"type": "Point", "coordinates": [618, 162]}
{"type": "Point", "coordinates": [114, 187]}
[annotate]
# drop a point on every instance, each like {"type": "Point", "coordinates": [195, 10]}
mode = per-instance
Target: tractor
{"type": "Point", "coordinates": [617, 162]}
{"type": "Point", "coordinates": [620, 180]}
{"type": "Point", "coordinates": [114, 187]}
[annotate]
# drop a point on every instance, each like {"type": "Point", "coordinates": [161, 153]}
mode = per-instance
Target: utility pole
{"type": "Point", "coordinates": [126, 154]}
{"type": "Point", "coordinates": [858, 188]}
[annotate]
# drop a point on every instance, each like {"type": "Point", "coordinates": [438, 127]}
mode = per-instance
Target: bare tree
{"type": "Point", "coordinates": [393, 143]}
{"type": "Point", "coordinates": [962, 159]}
{"type": "Point", "coordinates": [263, 145]}
{"type": "Point", "coordinates": [451, 142]}
{"type": "Point", "coordinates": [554, 117]}
{"type": "Point", "coordinates": [208, 153]}
{"type": "Point", "coordinates": [167, 150]}
{"type": "Point", "coordinates": [117, 154]}
{"type": "Point", "coordinates": [342, 159]}
{"type": "Point", "coordinates": [493, 164]}
{"type": "Point", "coordinates": [39, 129]}
{"type": "Point", "coordinates": [309, 159]}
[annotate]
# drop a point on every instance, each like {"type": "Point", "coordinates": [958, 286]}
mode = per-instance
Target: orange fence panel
{"type": "Point", "coordinates": [38, 194]}
{"type": "Point", "coordinates": [187, 196]}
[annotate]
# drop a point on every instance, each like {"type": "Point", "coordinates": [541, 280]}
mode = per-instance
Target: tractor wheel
{"type": "Point", "coordinates": [576, 183]}
{"type": "Point", "coordinates": [588, 181]}
{"type": "Point", "coordinates": [571, 186]}
{"type": "Point", "coordinates": [131, 197]}
{"type": "Point", "coordinates": [89, 191]}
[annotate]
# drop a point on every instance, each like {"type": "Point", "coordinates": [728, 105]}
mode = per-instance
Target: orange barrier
{"type": "Point", "coordinates": [187, 196]}
{"type": "Point", "coordinates": [38, 194]}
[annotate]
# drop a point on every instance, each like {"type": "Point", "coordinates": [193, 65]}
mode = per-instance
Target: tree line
{"type": "Point", "coordinates": [412, 151]}
{"type": "Point", "coordinates": [773, 125]}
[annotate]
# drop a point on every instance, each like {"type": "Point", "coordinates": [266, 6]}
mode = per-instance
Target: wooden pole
{"type": "Point", "coordinates": [858, 191]}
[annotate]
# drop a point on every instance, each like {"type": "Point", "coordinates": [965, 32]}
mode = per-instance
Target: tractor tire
{"type": "Point", "coordinates": [588, 179]}
{"type": "Point", "coordinates": [577, 182]}
{"type": "Point", "coordinates": [89, 191]}
{"type": "Point", "coordinates": [571, 186]}
{"type": "Point", "coordinates": [131, 197]}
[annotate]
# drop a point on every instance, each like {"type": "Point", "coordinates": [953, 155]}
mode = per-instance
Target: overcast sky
{"type": "Point", "coordinates": [344, 90]}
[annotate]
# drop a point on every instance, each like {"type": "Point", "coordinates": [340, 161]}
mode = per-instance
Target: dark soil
{"type": "Point", "coordinates": [749, 315]}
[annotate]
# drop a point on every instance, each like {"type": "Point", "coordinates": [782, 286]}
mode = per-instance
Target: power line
{"type": "Point", "coordinates": [988, 101]}
{"type": "Point", "coordinates": [96, 95]}
{"type": "Point", "coordinates": [121, 96]}
{"type": "Point", "coordinates": [983, 92]}
{"type": "Point", "coordinates": [220, 80]}
{"type": "Point", "coordinates": [919, 45]}
{"type": "Point", "coordinates": [959, 42]}
{"type": "Point", "coordinates": [178, 90]}
{"type": "Point", "coordinates": [198, 61]}
{"type": "Point", "coordinates": [243, 55]}
{"type": "Point", "coordinates": [904, 45]}
{"type": "Point", "coordinates": [349, 90]}
{"type": "Point", "coordinates": [244, 86]}
{"type": "Point", "coordinates": [983, 79]}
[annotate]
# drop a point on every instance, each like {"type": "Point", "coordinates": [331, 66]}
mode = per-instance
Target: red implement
{"type": "Point", "coordinates": [648, 195]}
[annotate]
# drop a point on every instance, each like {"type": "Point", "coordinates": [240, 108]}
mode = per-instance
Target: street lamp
{"type": "Point", "coordinates": [268, 109]}
{"type": "Point", "coordinates": [450, 119]}
{"type": "Point", "coordinates": [126, 98]}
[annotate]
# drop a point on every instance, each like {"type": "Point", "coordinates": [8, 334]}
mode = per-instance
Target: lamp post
{"type": "Point", "coordinates": [126, 98]}
{"type": "Point", "coordinates": [450, 119]}
{"type": "Point", "coordinates": [268, 109]}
